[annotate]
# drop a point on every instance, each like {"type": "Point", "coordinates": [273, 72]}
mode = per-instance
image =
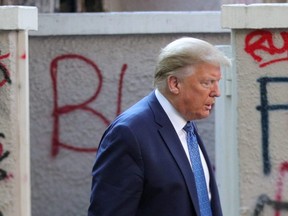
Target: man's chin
{"type": "Point", "coordinates": [203, 115]}
{"type": "Point", "coordinates": [206, 114]}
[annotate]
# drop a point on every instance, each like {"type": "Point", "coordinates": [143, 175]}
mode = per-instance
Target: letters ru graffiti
{"type": "Point", "coordinates": [4, 70]}
{"type": "Point", "coordinates": [262, 40]}
{"type": "Point", "coordinates": [84, 106]}
{"type": "Point", "coordinates": [265, 108]}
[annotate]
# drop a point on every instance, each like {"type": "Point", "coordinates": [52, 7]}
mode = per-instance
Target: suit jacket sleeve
{"type": "Point", "coordinates": [117, 174]}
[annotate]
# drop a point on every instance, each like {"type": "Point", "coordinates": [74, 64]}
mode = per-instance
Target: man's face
{"type": "Point", "coordinates": [197, 92]}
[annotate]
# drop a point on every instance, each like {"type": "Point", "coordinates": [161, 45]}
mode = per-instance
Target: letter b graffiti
{"type": "Point", "coordinates": [66, 109]}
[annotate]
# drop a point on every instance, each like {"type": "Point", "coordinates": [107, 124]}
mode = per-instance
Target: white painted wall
{"type": "Point", "coordinates": [79, 48]}
{"type": "Point", "coordinates": [260, 78]}
{"type": "Point", "coordinates": [80, 54]}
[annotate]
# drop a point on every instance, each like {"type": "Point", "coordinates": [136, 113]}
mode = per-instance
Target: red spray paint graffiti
{"type": "Point", "coordinates": [268, 48]}
{"type": "Point", "coordinates": [84, 106]}
{"type": "Point", "coordinates": [278, 205]}
{"type": "Point", "coordinates": [262, 40]}
{"type": "Point", "coordinates": [23, 56]}
{"type": "Point", "coordinates": [3, 68]}
{"type": "Point", "coordinates": [280, 184]}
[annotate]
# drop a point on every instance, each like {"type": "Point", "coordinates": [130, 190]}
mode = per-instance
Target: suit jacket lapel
{"type": "Point", "coordinates": [174, 145]}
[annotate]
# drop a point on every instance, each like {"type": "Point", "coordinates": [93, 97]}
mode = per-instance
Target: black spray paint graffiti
{"type": "Point", "coordinates": [278, 205]}
{"type": "Point", "coordinates": [4, 71]}
{"type": "Point", "coordinates": [265, 200]}
{"type": "Point", "coordinates": [264, 108]}
{"type": "Point", "coordinates": [3, 155]}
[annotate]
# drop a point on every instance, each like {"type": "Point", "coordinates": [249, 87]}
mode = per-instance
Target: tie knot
{"type": "Point", "coordinates": [189, 127]}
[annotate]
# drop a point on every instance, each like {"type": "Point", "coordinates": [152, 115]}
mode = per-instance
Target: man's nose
{"type": "Point", "coordinates": [215, 91]}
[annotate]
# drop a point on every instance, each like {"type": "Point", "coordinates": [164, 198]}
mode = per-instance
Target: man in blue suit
{"type": "Point", "coordinates": [143, 166]}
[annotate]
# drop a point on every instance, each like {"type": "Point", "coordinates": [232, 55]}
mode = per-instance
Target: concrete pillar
{"type": "Point", "coordinates": [259, 35]}
{"type": "Point", "coordinates": [14, 110]}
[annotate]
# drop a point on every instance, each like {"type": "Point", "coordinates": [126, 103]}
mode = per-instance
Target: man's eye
{"type": "Point", "coordinates": [207, 84]}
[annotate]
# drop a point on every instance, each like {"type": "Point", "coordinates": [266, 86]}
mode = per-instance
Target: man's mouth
{"type": "Point", "coordinates": [209, 106]}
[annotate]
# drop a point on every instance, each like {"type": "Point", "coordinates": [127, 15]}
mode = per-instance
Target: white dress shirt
{"type": "Point", "coordinates": [178, 123]}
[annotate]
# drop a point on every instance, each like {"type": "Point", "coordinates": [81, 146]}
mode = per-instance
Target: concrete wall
{"type": "Point", "coordinates": [14, 110]}
{"type": "Point", "coordinates": [8, 139]}
{"type": "Point", "coordinates": [83, 72]}
{"type": "Point", "coordinates": [260, 58]}
{"type": "Point", "coordinates": [82, 76]}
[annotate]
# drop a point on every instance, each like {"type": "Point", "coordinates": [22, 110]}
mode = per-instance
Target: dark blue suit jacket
{"type": "Point", "coordinates": [141, 168]}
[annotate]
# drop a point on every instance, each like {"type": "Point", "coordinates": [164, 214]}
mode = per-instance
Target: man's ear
{"type": "Point", "coordinates": [173, 84]}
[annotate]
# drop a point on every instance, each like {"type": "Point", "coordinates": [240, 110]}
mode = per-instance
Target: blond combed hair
{"type": "Point", "coordinates": [186, 51]}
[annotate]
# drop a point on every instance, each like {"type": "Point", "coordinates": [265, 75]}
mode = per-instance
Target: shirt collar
{"type": "Point", "coordinates": [176, 119]}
